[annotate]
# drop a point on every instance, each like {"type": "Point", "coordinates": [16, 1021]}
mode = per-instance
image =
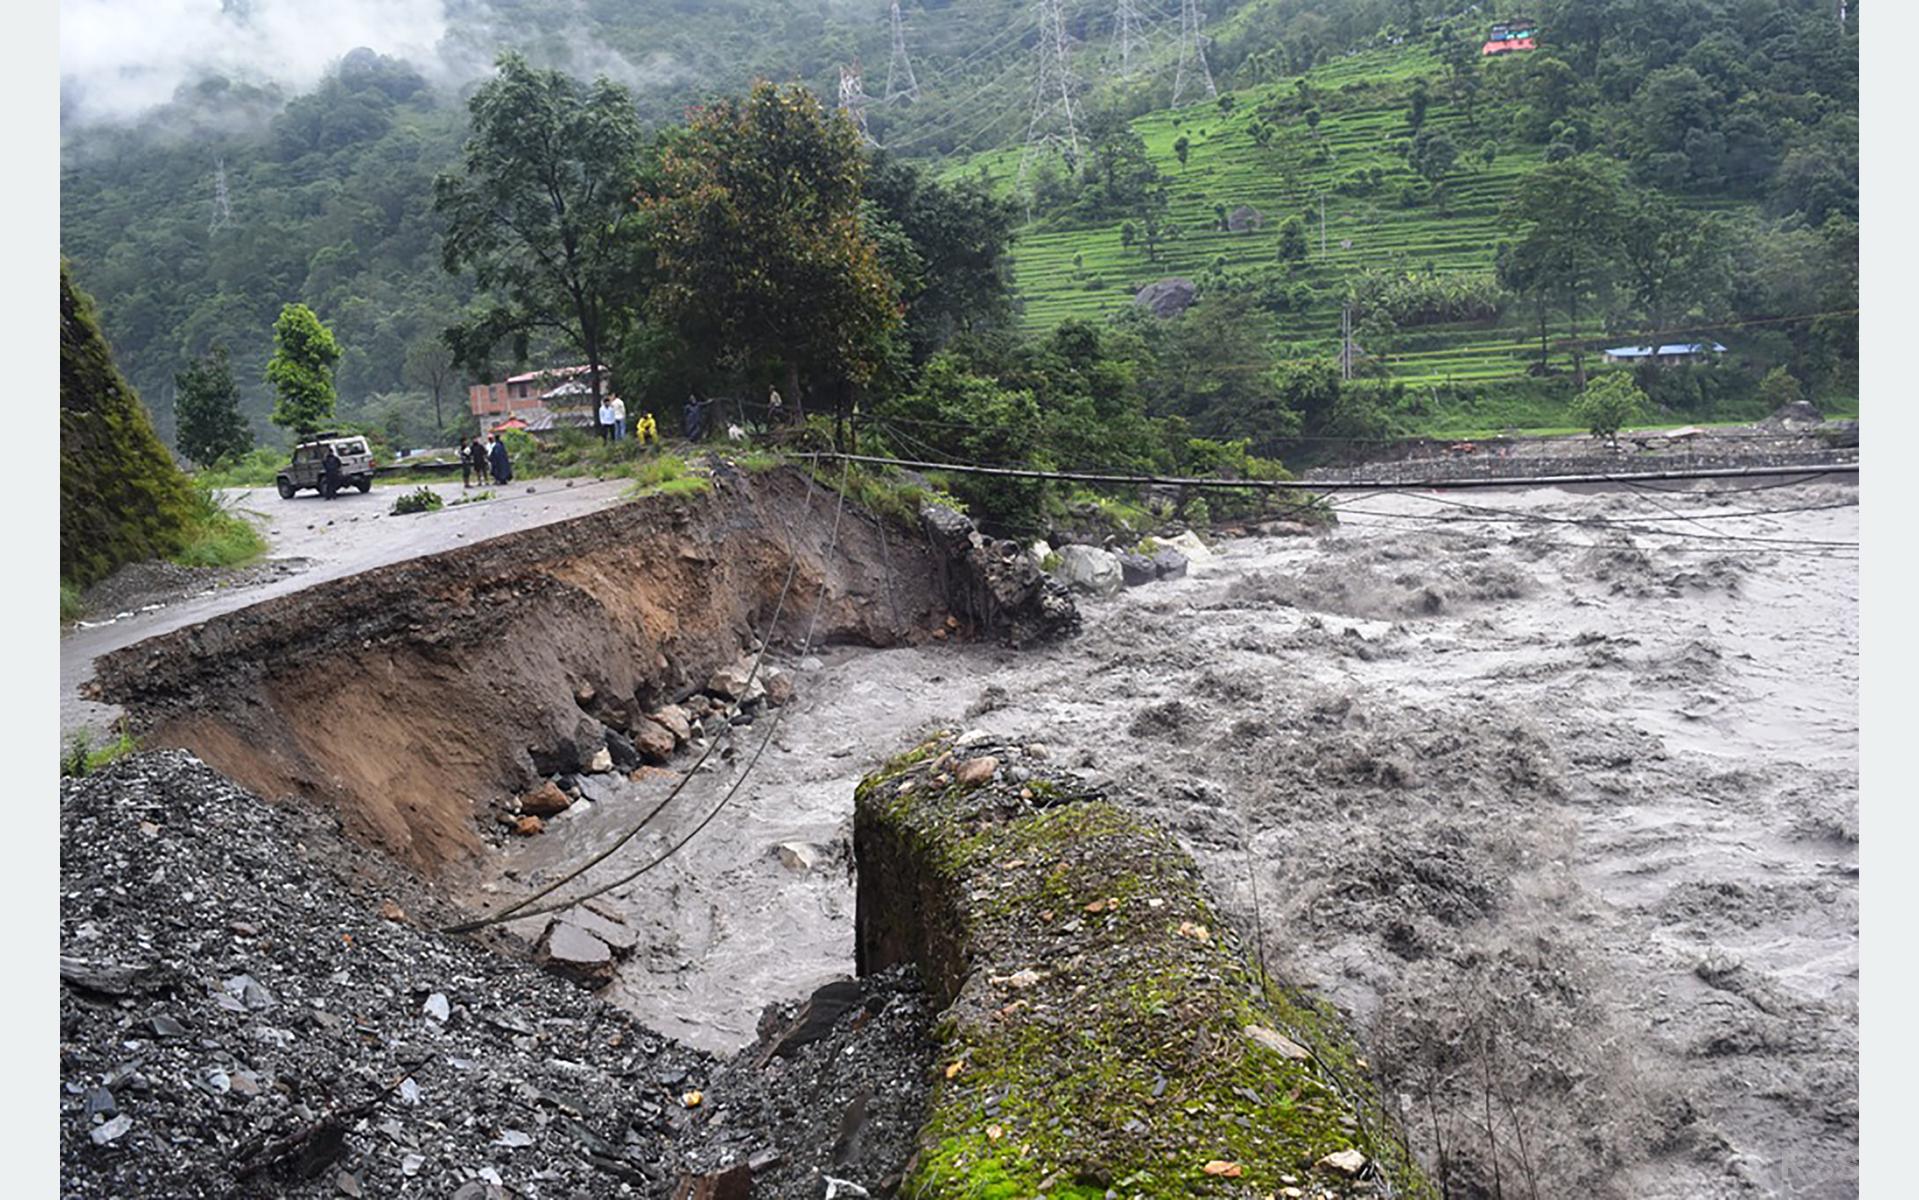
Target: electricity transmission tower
{"type": "Point", "coordinates": [1052, 126]}
{"type": "Point", "coordinates": [222, 206]}
{"type": "Point", "coordinates": [1127, 36]}
{"type": "Point", "coordinates": [853, 100]}
{"type": "Point", "coordinates": [899, 72]}
{"type": "Point", "coordinates": [1192, 72]}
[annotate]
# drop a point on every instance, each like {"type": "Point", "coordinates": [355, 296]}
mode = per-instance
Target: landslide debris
{"type": "Point", "coordinates": [832, 1093]}
{"type": "Point", "coordinates": [247, 1008]}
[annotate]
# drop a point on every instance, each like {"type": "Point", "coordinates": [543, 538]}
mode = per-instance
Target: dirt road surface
{"type": "Point", "coordinates": [1565, 815]}
{"type": "Point", "coordinates": [310, 541]}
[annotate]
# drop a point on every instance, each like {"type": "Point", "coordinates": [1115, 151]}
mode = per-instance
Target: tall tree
{"type": "Point", "coordinates": [957, 278]}
{"type": "Point", "coordinates": [1571, 220]}
{"type": "Point", "coordinates": [754, 223]}
{"type": "Point", "coordinates": [430, 367]}
{"type": "Point", "coordinates": [301, 370]}
{"type": "Point", "coordinates": [536, 214]}
{"type": "Point", "coordinates": [206, 410]}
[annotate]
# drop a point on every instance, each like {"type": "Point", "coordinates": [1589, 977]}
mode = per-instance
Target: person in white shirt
{"type": "Point", "coordinates": [619, 419]}
{"type": "Point", "coordinates": [606, 420]}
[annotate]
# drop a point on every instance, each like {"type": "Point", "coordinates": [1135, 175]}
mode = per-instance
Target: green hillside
{"type": "Point", "coordinates": [1087, 272]}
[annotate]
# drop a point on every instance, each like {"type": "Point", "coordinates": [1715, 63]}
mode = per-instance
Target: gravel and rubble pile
{"type": "Point", "coordinates": [248, 1008]}
{"type": "Point", "coordinates": [831, 1096]}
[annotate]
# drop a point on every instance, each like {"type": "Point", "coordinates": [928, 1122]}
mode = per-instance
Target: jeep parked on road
{"type": "Point", "coordinates": [309, 459]}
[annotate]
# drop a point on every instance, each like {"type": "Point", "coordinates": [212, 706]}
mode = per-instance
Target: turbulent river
{"type": "Point", "coordinates": [1554, 792]}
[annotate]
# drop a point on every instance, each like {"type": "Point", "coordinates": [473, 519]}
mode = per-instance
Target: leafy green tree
{"type": "Point", "coordinates": [430, 367]}
{"type": "Point", "coordinates": [1292, 240]}
{"type": "Point", "coordinates": [954, 277]}
{"type": "Point", "coordinates": [1571, 219]}
{"type": "Point", "coordinates": [1779, 389]}
{"type": "Point", "coordinates": [301, 370]}
{"type": "Point", "coordinates": [1182, 146]}
{"type": "Point", "coordinates": [1433, 154]}
{"type": "Point", "coordinates": [1213, 366]}
{"type": "Point", "coordinates": [754, 221]}
{"type": "Point", "coordinates": [1671, 261]}
{"type": "Point", "coordinates": [976, 419]}
{"type": "Point", "coordinates": [536, 214]}
{"type": "Point", "coordinates": [1417, 103]}
{"type": "Point", "coordinates": [1312, 121]}
{"type": "Point", "coordinates": [1609, 405]}
{"type": "Point", "coordinates": [206, 410]}
{"type": "Point", "coordinates": [121, 497]}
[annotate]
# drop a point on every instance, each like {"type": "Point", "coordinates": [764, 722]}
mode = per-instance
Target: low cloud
{"type": "Point", "coordinates": [119, 58]}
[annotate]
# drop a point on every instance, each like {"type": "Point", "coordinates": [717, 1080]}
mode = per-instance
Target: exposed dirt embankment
{"type": "Point", "coordinates": [414, 696]}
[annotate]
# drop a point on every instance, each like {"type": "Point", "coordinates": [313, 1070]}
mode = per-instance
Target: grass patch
{"type": "Point", "coordinates": [81, 757]}
{"type": "Point", "coordinates": [665, 475]}
{"type": "Point", "coordinates": [218, 537]}
{"type": "Point", "coordinates": [71, 608]}
{"type": "Point", "coordinates": [474, 498]}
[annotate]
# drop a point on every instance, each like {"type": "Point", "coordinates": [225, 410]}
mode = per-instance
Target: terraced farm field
{"type": "Point", "coordinates": [1087, 272]}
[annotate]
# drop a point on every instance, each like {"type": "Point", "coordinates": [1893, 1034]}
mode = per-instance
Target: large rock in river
{"type": "Point", "coordinates": [1090, 569]}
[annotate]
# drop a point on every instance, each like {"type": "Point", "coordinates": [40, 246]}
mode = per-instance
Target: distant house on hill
{"type": "Point", "coordinates": [526, 390]}
{"type": "Point", "coordinates": [1507, 37]}
{"type": "Point", "coordinates": [1671, 354]}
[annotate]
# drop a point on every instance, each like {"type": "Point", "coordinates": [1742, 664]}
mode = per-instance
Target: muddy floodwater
{"type": "Point", "coordinates": [1563, 813]}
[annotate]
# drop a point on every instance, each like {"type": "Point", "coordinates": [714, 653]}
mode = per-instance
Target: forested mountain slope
{"type": "Point", "coordinates": [195, 224]}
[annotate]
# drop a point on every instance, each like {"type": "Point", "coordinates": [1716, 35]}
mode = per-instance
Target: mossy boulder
{"type": "Point", "coordinates": [1104, 1031]}
{"type": "Point", "coordinates": [121, 496]}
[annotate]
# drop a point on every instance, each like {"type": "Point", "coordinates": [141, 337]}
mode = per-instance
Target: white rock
{"type": "Point", "coordinates": [437, 1007]}
{"type": "Point", "coordinates": [1090, 569]}
{"type": "Point", "coordinates": [1277, 1042]}
{"type": "Point", "coordinates": [798, 856]}
{"type": "Point", "coordinates": [601, 763]}
{"type": "Point", "coordinates": [1349, 1161]}
{"type": "Point", "coordinates": [1188, 543]}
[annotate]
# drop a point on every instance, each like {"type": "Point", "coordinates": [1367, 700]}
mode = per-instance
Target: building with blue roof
{"type": "Point", "coordinates": [1669, 355]}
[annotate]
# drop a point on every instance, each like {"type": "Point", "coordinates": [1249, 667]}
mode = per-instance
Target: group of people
{"type": "Point", "coordinates": [477, 462]}
{"type": "Point", "coordinates": [612, 419]}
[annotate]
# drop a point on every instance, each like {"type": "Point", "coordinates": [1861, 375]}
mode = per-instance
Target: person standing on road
{"type": "Point", "coordinates": [330, 473]}
{"type": "Point", "coordinates": [502, 466]}
{"type": "Point", "coordinates": [476, 454]}
{"type": "Point", "coordinates": [619, 419]}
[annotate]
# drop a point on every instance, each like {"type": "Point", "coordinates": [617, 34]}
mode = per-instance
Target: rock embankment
{"type": "Point", "coordinates": [1104, 1033]}
{"type": "Point", "coordinates": [237, 1018]}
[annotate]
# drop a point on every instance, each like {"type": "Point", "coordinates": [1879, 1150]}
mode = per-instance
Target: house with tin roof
{"type": "Point", "coordinates": [1671, 354]}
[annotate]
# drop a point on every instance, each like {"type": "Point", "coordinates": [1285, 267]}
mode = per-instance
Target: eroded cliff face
{"type": "Point", "coordinates": [416, 696]}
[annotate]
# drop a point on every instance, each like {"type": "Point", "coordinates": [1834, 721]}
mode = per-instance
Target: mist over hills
{"type": "Point", "coordinates": [224, 157]}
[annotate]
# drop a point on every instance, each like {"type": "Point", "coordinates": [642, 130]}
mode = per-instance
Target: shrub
{"type": "Point", "coordinates": [81, 757]}
{"type": "Point", "coordinates": [419, 500]}
{"type": "Point", "coordinates": [1608, 405]}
